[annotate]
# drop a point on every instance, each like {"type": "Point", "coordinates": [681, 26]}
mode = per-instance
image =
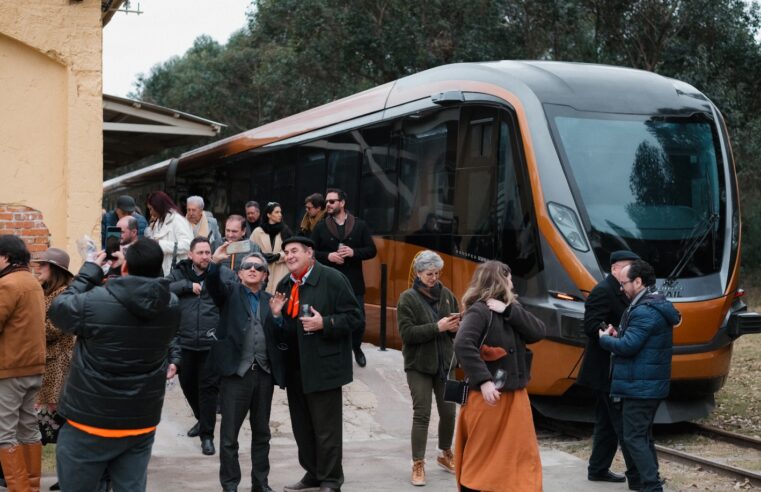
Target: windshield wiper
{"type": "Point", "coordinates": [702, 232]}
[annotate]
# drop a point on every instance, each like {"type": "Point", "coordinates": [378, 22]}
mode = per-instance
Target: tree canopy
{"type": "Point", "coordinates": [298, 54]}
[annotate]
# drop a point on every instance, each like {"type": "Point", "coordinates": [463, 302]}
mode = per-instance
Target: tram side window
{"type": "Point", "coordinates": [311, 177]}
{"type": "Point", "coordinates": [426, 175]}
{"type": "Point", "coordinates": [344, 162]}
{"type": "Point", "coordinates": [378, 181]}
{"type": "Point", "coordinates": [475, 182]}
{"type": "Point", "coordinates": [284, 185]}
{"type": "Point", "coordinates": [516, 233]}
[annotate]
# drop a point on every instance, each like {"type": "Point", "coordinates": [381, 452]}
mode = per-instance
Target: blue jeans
{"type": "Point", "coordinates": [81, 459]}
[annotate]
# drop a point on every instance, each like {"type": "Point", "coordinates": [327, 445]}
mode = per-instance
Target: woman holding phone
{"type": "Point", "coordinates": [428, 320]}
{"type": "Point", "coordinates": [269, 237]}
{"type": "Point", "coordinates": [496, 446]}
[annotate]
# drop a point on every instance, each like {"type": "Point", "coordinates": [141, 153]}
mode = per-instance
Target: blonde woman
{"type": "Point", "coordinates": [496, 447]}
{"type": "Point", "coordinates": [428, 319]}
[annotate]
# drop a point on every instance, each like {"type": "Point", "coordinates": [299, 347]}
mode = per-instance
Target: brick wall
{"type": "Point", "coordinates": [27, 224]}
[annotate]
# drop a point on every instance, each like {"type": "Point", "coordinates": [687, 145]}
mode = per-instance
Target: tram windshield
{"type": "Point", "coordinates": [653, 185]}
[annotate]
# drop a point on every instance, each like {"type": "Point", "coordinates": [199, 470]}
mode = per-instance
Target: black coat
{"type": "Point", "coordinates": [606, 303]}
{"type": "Point", "coordinates": [235, 320]}
{"type": "Point", "coordinates": [199, 315]}
{"type": "Point", "coordinates": [325, 356]}
{"type": "Point", "coordinates": [357, 238]}
{"type": "Point", "coordinates": [124, 330]}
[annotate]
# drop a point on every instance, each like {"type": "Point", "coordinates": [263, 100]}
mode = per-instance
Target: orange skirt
{"type": "Point", "coordinates": [495, 446]}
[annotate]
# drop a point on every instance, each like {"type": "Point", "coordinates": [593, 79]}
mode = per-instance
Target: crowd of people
{"type": "Point", "coordinates": [235, 313]}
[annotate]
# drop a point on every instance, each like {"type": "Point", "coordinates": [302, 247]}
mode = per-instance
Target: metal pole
{"type": "Point", "coordinates": [383, 287]}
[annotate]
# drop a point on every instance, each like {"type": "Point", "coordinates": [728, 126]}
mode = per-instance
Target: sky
{"type": "Point", "coordinates": [134, 43]}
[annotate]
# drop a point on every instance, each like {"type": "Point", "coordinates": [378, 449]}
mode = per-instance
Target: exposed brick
{"type": "Point", "coordinates": [5, 215]}
{"type": "Point", "coordinates": [27, 216]}
{"type": "Point", "coordinates": [23, 224]}
{"type": "Point", "coordinates": [36, 248]}
{"type": "Point", "coordinates": [36, 232]}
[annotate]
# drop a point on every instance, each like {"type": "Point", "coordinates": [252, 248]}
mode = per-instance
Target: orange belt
{"type": "Point", "coordinates": [112, 433]}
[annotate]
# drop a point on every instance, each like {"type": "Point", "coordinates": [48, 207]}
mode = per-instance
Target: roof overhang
{"type": "Point", "coordinates": [133, 130]}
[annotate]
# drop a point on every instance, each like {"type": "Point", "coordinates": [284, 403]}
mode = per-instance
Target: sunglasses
{"type": "Point", "coordinates": [256, 266]}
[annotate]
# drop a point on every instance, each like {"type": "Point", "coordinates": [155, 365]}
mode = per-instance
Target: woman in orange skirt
{"type": "Point", "coordinates": [495, 442]}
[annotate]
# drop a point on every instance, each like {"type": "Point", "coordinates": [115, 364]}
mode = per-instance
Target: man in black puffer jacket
{"type": "Point", "coordinates": [198, 325]}
{"type": "Point", "coordinates": [113, 396]}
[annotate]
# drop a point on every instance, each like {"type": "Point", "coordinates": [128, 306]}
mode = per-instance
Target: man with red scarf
{"type": "Point", "coordinates": [318, 310]}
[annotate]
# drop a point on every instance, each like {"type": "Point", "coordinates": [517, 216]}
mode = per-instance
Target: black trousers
{"type": "Point", "coordinates": [637, 426]}
{"type": "Point", "coordinates": [200, 385]}
{"type": "Point", "coordinates": [239, 396]}
{"type": "Point", "coordinates": [317, 422]}
{"type": "Point", "coordinates": [606, 439]}
{"type": "Point", "coordinates": [358, 332]}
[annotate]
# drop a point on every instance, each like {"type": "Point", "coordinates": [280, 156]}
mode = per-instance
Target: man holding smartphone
{"type": "Point", "coordinates": [605, 306]}
{"type": "Point", "coordinates": [236, 246]}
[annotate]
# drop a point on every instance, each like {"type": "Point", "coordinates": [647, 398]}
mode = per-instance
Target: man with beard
{"type": "Point", "coordinates": [343, 241]}
{"type": "Point", "coordinates": [317, 321]}
{"type": "Point", "coordinates": [235, 229]}
{"type": "Point", "coordinates": [198, 323]}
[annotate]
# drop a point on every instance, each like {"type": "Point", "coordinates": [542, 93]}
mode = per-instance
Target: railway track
{"type": "Point", "coordinates": [683, 457]}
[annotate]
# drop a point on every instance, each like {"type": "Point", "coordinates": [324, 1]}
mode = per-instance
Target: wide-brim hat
{"type": "Point", "coordinates": [299, 239]}
{"type": "Point", "coordinates": [623, 255]}
{"type": "Point", "coordinates": [56, 257]}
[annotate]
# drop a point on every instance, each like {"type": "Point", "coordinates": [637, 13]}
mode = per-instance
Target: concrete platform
{"type": "Point", "coordinates": [377, 416]}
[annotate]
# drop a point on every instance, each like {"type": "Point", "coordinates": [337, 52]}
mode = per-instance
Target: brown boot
{"type": "Point", "coordinates": [33, 460]}
{"type": "Point", "coordinates": [418, 472]}
{"type": "Point", "coordinates": [446, 460]}
{"type": "Point", "coordinates": [14, 468]}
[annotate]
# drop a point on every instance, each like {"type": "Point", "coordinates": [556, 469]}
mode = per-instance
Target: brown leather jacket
{"type": "Point", "coordinates": [22, 325]}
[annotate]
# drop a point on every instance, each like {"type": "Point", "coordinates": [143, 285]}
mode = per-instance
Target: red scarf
{"type": "Point", "coordinates": [293, 302]}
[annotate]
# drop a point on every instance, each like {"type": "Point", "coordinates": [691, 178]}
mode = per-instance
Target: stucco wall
{"type": "Point", "coordinates": [51, 144]}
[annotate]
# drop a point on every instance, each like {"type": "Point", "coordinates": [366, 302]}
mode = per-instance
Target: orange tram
{"type": "Point", "coordinates": [546, 166]}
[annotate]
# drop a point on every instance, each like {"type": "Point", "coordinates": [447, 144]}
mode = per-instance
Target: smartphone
{"type": "Point", "coordinates": [113, 241]}
{"type": "Point", "coordinates": [239, 247]}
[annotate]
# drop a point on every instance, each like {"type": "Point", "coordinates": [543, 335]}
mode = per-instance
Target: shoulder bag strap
{"type": "Point", "coordinates": [491, 317]}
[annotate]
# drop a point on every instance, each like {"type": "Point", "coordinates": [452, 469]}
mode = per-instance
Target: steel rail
{"type": "Point", "coordinates": [727, 436]}
{"type": "Point", "coordinates": [672, 454]}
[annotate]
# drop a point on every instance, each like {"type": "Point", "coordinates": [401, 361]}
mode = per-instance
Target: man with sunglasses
{"type": "Point", "coordinates": [250, 362]}
{"type": "Point", "coordinates": [343, 241]}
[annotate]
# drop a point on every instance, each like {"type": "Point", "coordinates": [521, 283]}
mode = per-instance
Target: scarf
{"type": "Point", "coordinates": [308, 223]}
{"type": "Point", "coordinates": [293, 302]}
{"type": "Point", "coordinates": [432, 295]}
{"type": "Point", "coordinates": [202, 228]}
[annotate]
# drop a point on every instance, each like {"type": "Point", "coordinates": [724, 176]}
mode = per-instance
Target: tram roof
{"type": "Point", "coordinates": [585, 87]}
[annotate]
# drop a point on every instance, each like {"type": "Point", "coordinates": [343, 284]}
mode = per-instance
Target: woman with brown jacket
{"type": "Point", "coordinates": [495, 443]}
{"type": "Point", "coordinates": [52, 270]}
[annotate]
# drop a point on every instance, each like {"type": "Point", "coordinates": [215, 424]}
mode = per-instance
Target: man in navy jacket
{"type": "Point", "coordinates": [641, 348]}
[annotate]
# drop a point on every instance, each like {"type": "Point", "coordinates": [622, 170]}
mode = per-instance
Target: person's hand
{"type": "Point", "coordinates": [448, 323]}
{"type": "Point", "coordinates": [314, 322]}
{"type": "Point", "coordinates": [100, 258]}
{"type": "Point", "coordinates": [197, 288]}
{"type": "Point", "coordinates": [118, 259]}
{"type": "Point", "coordinates": [345, 251]}
{"type": "Point", "coordinates": [496, 305]}
{"type": "Point", "coordinates": [171, 371]}
{"type": "Point", "coordinates": [220, 254]}
{"type": "Point", "coordinates": [336, 258]}
{"type": "Point", "coordinates": [277, 302]}
{"type": "Point", "coordinates": [490, 393]}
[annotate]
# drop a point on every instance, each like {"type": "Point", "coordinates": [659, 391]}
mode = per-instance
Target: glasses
{"type": "Point", "coordinates": [256, 266]}
{"type": "Point", "coordinates": [627, 282]}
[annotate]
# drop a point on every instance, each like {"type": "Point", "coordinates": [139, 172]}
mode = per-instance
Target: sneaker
{"type": "Point", "coordinates": [418, 472]}
{"type": "Point", "coordinates": [446, 460]}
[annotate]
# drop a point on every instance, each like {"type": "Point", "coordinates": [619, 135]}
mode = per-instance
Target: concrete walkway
{"type": "Point", "coordinates": [377, 421]}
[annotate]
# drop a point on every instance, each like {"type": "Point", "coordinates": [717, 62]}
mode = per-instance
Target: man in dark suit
{"type": "Point", "coordinates": [250, 363]}
{"type": "Point", "coordinates": [604, 306]}
{"type": "Point", "coordinates": [343, 241]}
{"type": "Point", "coordinates": [317, 321]}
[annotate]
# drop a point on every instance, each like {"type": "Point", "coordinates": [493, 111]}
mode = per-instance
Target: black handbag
{"type": "Point", "coordinates": [456, 391]}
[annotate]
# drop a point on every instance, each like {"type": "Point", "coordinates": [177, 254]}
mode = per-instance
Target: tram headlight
{"type": "Point", "coordinates": [568, 224]}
